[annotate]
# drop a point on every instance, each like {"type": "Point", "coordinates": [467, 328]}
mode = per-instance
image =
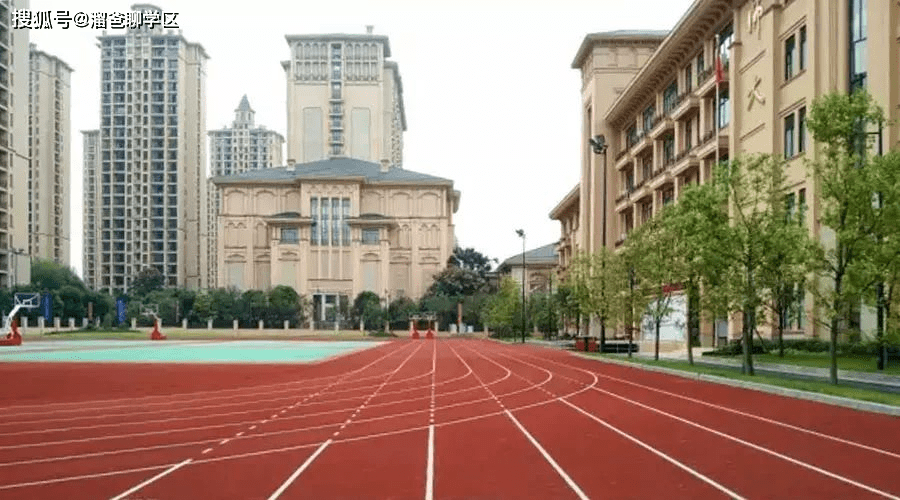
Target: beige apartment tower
{"type": "Point", "coordinates": [49, 220]}
{"type": "Point", "coordinates": [677, 117]}
{"type": "Point", "coordinates": [233, 150]}
{"type": "Point", "coordinates": [149, 206]}
{"type": "Point", "coordinates": [14, 150]}
{"type": "Point", "coordinates": [344, 98]}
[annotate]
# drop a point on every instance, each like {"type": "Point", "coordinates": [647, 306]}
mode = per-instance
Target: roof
{"type": "Point", "coordinates": [646, 36]}
{"type": "Point", "coordinates": [244, 105]}
{"type": "Point", "coordinates": [343, 37]}
{"type": "Point", "coordinates": [543, 255]}
{"type": "Point", "coordinates": [339, 168]}
{"type": "Point", "coordinates": [568, 200]}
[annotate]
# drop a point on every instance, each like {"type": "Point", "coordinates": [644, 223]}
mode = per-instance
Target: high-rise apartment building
{"type": "Point", "coordinates": [50, 142]}
{"type": "Point", "coordinates": [14, 151]}
{"type": "Point", "coordinates": [344, 98]}
{"type": "Point", "coordinates": [150, 206]}
{"type": "Point", "coordinates": [233, 150]}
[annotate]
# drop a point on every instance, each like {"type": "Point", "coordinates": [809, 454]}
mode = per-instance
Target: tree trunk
{"type": "Point", "coordinates": [602, 335]}
{"type": "Point", "coordinates": [630, 340]}
{"type": "Point", "coordinates": [879, 333]}
{"type": "Point", "coordinates": [832, 349]}
{"type": "Point", "coordinates": [747, 343]}
{"type": "Point", "coordinates": [656, 349]}
{"type": "Point", "coordinates": [781, 311]}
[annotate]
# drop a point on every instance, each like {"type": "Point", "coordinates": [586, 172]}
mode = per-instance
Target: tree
{"type": "Point", "coordinates": [885, 262]}
{"type": "Point", "coordinates": [147, 280]}
{"type": "Point", "coordinates": [568, 307]}
{"type": "Point", "coordinates": [598, 279]}
{"type": "Point", "coordinates": [399, 312]}
{"type": "Point", "coordinates": [846, 183]}
{"type": "Point", "coordinates": [367, 309]}
{"type": "Point", "coordinates": [698, 220]}
{"type": "Point", "coordinates": [658, 269]}
{"type": "Point", "coordinates": [253, 305]}
{"type": "Point", "coordinates": [455, 282]}
{"type": "Point", "coordinates": [471, 260]}
{"type": "Point", "coordinates": [285, 304]}
{"type": "Point", "coordinates": [502, 309]}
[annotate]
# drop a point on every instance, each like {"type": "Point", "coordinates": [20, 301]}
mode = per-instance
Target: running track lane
{"type": "Point", "coordinates": [368, 364]}
{"type": "Point", "coordinates": [796, 464]}
{"type": "Point", "coordinates": [624, 420]}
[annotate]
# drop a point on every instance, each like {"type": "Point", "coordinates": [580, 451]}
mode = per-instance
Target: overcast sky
{"type": "Point", "coordinates": [491, 99]}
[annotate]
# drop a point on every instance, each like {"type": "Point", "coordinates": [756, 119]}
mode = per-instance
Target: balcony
{"type": "Point", "coordinates": [685, 103]}
{"type": "Point", "coordinates": [624, 161]}
{"type": "Point", "coordinates": [685, 160]}
{"type": "Point", "coordinates": [707, 146]}
{"type": "Point", "coordinates": [643, 141]}
{"type": "Point", "coordinates": [707, 81]}
{"type": "Point", "coordinates": [661, 123]}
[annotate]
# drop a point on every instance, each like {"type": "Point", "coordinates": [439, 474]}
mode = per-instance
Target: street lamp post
{"type": "Point", "coordinates": [521, 234]}
{"type": "Point", "coordinates": [598, 144]}
{"type": "Point", "coordinates": [879, 287]}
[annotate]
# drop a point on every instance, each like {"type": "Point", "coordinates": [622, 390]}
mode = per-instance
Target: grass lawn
{"type": "Point", "coordinates": [822, 360]}
{"type": "Point", "coordinates": [810, 386]}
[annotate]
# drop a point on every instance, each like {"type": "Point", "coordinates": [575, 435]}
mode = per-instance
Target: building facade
{"type": "Point", "coordinates": [233, 150]}
{"type": "Point", "coordinates": [14, 150]}
{"type": "Point", "coordinates": [679, 116]}
{"type": "Point", "coordinates": [49, 220]}
{"type": "Point", "coordinates": [150, 208]}
{"type": "Point", "coordinates": [344, 98]}
{"type": "Point", "coordinates": [334, 228]}
{"type": "Point", "coordinates": [568, 213]}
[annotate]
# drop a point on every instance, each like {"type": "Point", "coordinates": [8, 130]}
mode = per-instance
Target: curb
{"type": "Point", "coordinates": [771, 389]}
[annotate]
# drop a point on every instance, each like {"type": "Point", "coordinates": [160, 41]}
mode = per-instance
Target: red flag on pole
{"type": "Point", "coordinates": [720, 71]}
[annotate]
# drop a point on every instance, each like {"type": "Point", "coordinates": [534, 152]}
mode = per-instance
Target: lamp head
{"type": "Point", "coordinates": [598, 143]}
{"type": "Point", "coordinates": [520, 232]}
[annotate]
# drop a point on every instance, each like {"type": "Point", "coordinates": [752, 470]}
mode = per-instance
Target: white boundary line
{"type": "Point", "coordinates": [627, 436]}
{"type": "Point", "coordinates": [568, 480]}
{"type": "Point", "coordinates": [429, 463]}
{"type": "Point", "coordinates": [754, 446]}
{"type": "Point", "coordinates": [293, 477]}
{"type": "Point", "coordinates": [154, 478]}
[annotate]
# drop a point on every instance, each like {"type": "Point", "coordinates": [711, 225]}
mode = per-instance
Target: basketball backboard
{"type": "Point", "coordinates": [27, 300]}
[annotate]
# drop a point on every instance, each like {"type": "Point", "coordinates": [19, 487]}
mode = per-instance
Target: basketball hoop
{"type": "Point", "coordinates": [9, 335]}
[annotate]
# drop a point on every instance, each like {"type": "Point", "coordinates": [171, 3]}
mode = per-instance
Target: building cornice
{"type": "Point", "coordinates": [701, 19]}
{"type": "Point", "coordinates": [342, 37]}
{"type": "Point", "coordinates": [569, 200]}
{"type": "Point", "coordinates": [612, 38]}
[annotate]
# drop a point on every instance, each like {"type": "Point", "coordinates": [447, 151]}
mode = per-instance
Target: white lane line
{"type": "Point", "coordinates": [324, 445]}
{"type": "Point", "coordinates": [223, 441]}
{"type": "Point", "coordinates": [239, 434]}
{"type": "Point", "coordinates": [656, 452]}
{"type": "Point", "coordinates": [757, 417]}
{"type": "Point", "coordinates": [207, 451]}
{"type": "Point", "coordinates": [252, 427]}
{"type": "Point", "coordinates": [743, 442]}
{"type": "Point", "coordinates": [152, 479]}
{"type": "Point", "coordinates": [299, 471]}
{"type": "Point", "coordinates": [429, 465]}
{"type": "Point", "coordinates": [429, 471]}
{"type": "Point", "coordinates": [569, 481]}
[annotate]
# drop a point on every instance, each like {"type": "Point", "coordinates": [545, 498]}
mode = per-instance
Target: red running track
{"type": "Point", "coordinates": [427, 419]}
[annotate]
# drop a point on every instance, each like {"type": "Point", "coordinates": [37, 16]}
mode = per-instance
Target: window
{"type": "Point", "coordinates": [648, 117]}
{"type": "Point", "coordinates": [330, 224]}
{"type": "Point", "coordinates": [631, 136]}
{"type": "Point", "coordinates": [723, 108]}
{"type": "Point", "coordinates": [670, 97]}
{"type": "Point", "coordinates": [789, 136]}
{"type": "Point", "coordinates": [726, 37]}
{"type": "Point", "coordinates": [802, 52]}
{"type": "Point", "coordinates": [789, 45]}
{"type": "Point", "coordinates": [858, 33]}
{"type": "Point", "coordinates": [688, 133]}
{"type": "Point", "coordinates": [371, 236]}
{"type": "Point", "coordinates": [701, 67]}
{"type": "Point", "coordinates": [290, 235]}
{"type": "Point", "coordinates": [801, 130]}
{"type": "Point", "coordinates": [669, 149]}
{"type": "Point", "coordinates": [687, 78]}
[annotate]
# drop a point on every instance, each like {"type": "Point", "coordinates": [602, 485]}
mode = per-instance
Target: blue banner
{"type": "Point", "coordinates": [120, 310]}
{"type": "Point", "coordinates": [47, 307]}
